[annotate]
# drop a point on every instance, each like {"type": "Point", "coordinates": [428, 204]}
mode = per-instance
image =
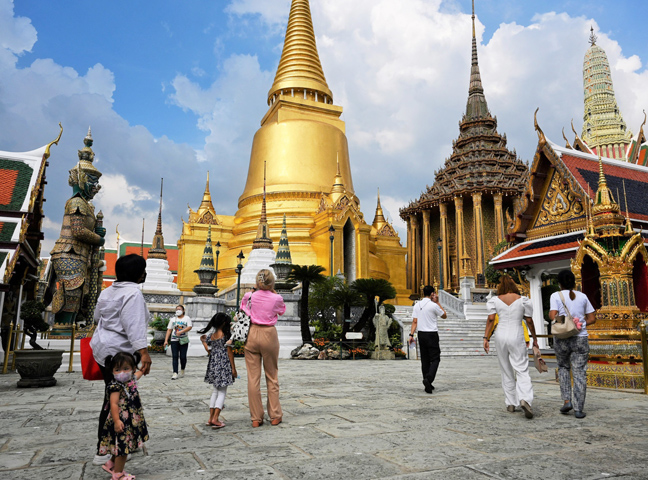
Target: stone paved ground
{"type": "Point", "coordinates": [344, 419]}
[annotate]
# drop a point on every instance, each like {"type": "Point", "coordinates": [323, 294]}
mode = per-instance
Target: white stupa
{"type": "Point", "coordinates": [158, 276]}
{"type": "Point", "coordinates": [262, 254]}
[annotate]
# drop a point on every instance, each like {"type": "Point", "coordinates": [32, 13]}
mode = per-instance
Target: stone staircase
{"type": "Point", "coordinates": [457, 336]}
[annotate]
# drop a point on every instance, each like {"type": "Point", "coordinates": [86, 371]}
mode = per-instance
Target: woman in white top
{"type": "Point", "coordinates": [510, 344]}
{"type": "Point", "coordinates": [178, 330]}
{"type": "Point", "coordinates": [572, 353]}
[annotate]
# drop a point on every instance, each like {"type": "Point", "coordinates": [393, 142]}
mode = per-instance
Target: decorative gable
{"type": "Point", "coordinates": [559, 205]}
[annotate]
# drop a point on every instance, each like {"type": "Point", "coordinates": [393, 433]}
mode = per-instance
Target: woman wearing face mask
{"type": "Point", "coordinates": [178, 330]}
{"type": "Point", "coordinates": [122, 326]}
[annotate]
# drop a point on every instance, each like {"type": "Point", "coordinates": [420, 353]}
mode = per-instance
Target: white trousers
{"type": "Point", "coordinates": [514, 361]}
{"type": "Point", "coordinates": [218, 397]}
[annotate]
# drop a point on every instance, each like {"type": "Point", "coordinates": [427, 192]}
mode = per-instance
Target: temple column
{"type": "Point", "coordinates": [479, 232]}
{"type": "Point", "coordinates": [459, 240]}
{"type": "Point", "coordinates": [443, 212]}
{"type": "Point", "coordinates": [416, 248]}
{"type": "Point", "coordinates": [426, 248]}
{"type": "Point", "coordinates": [499, 218]}
{"type": "Point", "coordinates": [410, 238]}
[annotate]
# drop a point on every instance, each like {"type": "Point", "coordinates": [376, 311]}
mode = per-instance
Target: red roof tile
{"type": "Point", "coordinates": [7, 185]}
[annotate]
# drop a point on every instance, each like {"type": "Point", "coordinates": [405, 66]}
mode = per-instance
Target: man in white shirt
{"type": "Point", "coordinates": [424, 320]}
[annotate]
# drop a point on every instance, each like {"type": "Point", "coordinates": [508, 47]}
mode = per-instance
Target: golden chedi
{"type": "Point", "coordinates": [302, 142]}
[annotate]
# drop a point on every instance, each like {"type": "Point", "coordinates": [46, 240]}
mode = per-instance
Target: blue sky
{"type": "Point", "coordinates": [180, 89]}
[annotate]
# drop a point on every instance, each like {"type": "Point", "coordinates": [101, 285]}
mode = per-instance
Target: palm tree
{"type": "Point", "coordinates": [306, 275]}
{"type": "Point", "coordinates": [370, 288]}
{"type": "Point", "coordinates": [346, 297]}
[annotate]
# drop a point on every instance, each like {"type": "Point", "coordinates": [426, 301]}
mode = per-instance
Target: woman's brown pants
{"type": "Point", "coordinates": [263, 345]}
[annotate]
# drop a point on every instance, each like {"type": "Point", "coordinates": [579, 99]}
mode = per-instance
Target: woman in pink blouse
{"type": "Point", "coordinates": [263, 306]}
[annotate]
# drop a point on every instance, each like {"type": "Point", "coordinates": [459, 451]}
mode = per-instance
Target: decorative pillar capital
{"type": "Point", "coordinates": [477, 197]}
{"type": "Point", "coordinates": [443, 210]}
{"type": "Point", "coordinates": [414, 220]}
{"type": "Point", "coordinates": [497, 199]}
{"type": "Point", "coordinates": [426, 216]}
{"type": "Point", "coordinates": [458, 202]}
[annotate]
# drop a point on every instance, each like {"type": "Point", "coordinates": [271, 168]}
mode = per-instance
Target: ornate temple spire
{"type": "Point", "coordinates": [476, 106]}
{"type": "Point", "coordinates": [157, 246]}
{"type": "Point", "coordinates": [207, 260]}
{"type": "Point", "coordinates": [263, 239]}
{"type": "Point", "coordinates": [379, 218]}
{"type": "Point", "coordinates": [604, 130]}
{"type": "Point", "coordinates": [206, 203]}
{"type": "Point", "coordinates": [300, 69]}
{"type": "Point", "coordinates": [283, 251]}
{"type": "Point", "coordinates": [338, 182]}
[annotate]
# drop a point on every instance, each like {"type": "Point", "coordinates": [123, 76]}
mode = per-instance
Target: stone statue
{"type": "Point", "coordinates": [381, 323]}
{"type": "Point", "coordinates": [80, 240]}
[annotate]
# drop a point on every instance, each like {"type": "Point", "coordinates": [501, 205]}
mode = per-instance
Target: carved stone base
{"type": "Point", "coordinates": [383, 355]}
{"type": "Point", "coordinates": [615, 375]}
{"type": "Point", "coordinates": [37, 367]}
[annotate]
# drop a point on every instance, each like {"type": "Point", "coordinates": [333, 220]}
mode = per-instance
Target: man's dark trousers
{"type": "Point", "coordinates": [430, 354]}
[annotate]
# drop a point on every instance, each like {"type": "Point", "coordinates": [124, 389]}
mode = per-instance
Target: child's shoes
{"type": "Point", "coordinates": [108, 466]}
{"type": "Point", "coordinates": [122, 476]}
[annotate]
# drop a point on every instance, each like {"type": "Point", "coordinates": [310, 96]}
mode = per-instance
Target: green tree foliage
{"type": "Point", "coordinates": [370, 288]}
{"type": "Point", "coordinates": [307, 275]}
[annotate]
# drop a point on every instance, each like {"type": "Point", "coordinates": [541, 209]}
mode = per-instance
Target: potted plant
{"type": "Point", "coordinates": [159, 326]}
{"type": "Point", "coordinates": [36, 366]}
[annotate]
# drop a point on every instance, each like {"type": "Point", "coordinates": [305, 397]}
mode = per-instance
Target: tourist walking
{"type": "Point", "coordinates": [572, 353]}
{"type": "Point", "coordinates": [424, 321]}
{"type": "Point", "coordinates": [178, 329]}
{"type": "Point", "coordinates": [122, 326]}
{"type": "Point", "coordinates": [124, 430]}
{"type": "Point", "coordinates": [221, 370]}
{"type": "Point", "coordinates": [511, 346]}
{"type": "Point", "coordinates": [262, 347]}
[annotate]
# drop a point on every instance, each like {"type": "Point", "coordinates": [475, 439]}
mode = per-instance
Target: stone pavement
{"type": "Point", "coordinates": [342, 419]}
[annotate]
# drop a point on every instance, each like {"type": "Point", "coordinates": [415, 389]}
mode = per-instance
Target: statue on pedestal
{"type": "Point", "coordinates": [382, 322]}
{"type": "Point", "coordinates": [75, 254]}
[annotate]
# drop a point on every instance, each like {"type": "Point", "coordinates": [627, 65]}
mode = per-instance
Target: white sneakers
{"type": "Point", "coordinates": [101, 459]}
{"type": "Point", "coordinates": [181, 373]}
{"type": "Point", "coordinates": [174, 376]}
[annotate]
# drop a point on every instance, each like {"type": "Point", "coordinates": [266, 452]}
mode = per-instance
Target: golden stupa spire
{"type": "Point", "coordinates": [628, 225]}
{"type": "Point", "coordinates": [263, 239]}
{"type": "Point", "coordinates": [379, 218]}
{"type": "Point", "coordinates": [300, 69]}
{"type": "Point", "coordinates": [604, 201]}
{"type": "Point", "coordinates": [476, 106]}
{"type": "Point", "coordinates": [206, 203]}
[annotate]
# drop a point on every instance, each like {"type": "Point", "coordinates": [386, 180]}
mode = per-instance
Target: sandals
{"type": "Point", "coordinates": [109, 466]}
{"type": "Point", "coordinates": [276, 421]}
{"type": "Point", "coordinates": [122, 476]}
{"type": "Point", "coordinates": [257, 423]}
{"type": "Point", "coordinates": [216, 425]}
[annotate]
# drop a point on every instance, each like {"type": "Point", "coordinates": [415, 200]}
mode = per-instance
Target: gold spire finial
{"type": "Point", "coordinates": [567, 144]}
{"type": "Point", "coordinates": [263, 239]}
{"type": "Point", "coordinates": [473, 17]}
{"type": "Point", "coordinates": [300, 68]}
{"type": "Point", "coordinates": [601, 180]}
{"type": "Point", "coordinates": [55, 142]}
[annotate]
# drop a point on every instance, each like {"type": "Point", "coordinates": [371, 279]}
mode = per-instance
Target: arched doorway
{"type": "Point", "coordinates": [590, 281]}
{"type": "Point", "coordinates": [349, 251]}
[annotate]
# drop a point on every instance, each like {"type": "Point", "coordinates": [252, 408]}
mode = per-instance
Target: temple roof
{"type": "Point", "coordinates": [480, 160]}
{"type": "Point", "coordinates": [300, 66]}
{"type": "Point", "coordinates": [540, 250]}
{"type": "Point", "coordinates": [205, 213]}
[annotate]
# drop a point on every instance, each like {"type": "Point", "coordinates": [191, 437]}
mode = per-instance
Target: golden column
{"type": "Point", "coordinates": [445, 253]}
{"type": "Point", "coordinates": [479, 231]}
{"type": "Point", "coordinates": [410, 253]}
{"type": "Point", "coordinates": [499, 218]}
{"type": "Point", "coordinates": [426, 247]}
{"type": "Point", "coordinates": [416, 243]}
{"type": "Point", "coordinates": [459, 241]}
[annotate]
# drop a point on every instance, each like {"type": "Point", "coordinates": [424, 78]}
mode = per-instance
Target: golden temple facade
{"type": "Point", "coordinates": [302, 143]}
{"type": "Point", "coordinates": [453, 228]}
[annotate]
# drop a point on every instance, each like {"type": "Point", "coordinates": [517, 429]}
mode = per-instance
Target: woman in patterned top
{"type": "Point", "coordinates": [221, 370]}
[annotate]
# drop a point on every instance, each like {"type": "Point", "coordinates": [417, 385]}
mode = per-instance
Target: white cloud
{"type": "Point", "coordinates": [271, 12]}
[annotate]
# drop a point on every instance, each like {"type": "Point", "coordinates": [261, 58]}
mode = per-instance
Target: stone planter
{"type": "Point", "coordinates": [37, 367]}
{"type": "Point", "coordinates": [159, 335]}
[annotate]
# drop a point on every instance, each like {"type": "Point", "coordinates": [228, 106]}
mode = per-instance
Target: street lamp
{"type": "Point", "coordinates": [440, 249]}
{"type": "Point", "coordinates": [331, 238]}
{"type": "Point", "coordinates": [218, 245]}
{"type": "Point", "coordinates": [239, 269]}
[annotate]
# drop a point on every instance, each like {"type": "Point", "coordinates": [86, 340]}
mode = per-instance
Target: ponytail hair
{"type": "Point", "coordinates": [221, 321]}
{"type": "Point", "coordinates": [567, 281]}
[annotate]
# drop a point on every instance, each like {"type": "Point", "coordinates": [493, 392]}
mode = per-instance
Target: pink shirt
{"type": "Point", "coordinates": [265, 307]}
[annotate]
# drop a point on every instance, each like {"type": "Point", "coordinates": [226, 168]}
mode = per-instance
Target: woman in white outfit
{"type": "Point", "coordinates": [510, 344]}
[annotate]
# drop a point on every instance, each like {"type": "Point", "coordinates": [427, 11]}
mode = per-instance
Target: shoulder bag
{"type": "Point", "coordinates": [89, 366]}
{"type": "Point", "coordinates": [563, 326]}
{"type": "Point", "coordinates": [241, 325]}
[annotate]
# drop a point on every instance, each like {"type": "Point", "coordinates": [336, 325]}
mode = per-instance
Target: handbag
{"type": "Point", "coordinates": [540, 364]}
{"type": "Point", "coordinates": [241, 326]}
{"type": "Point", "coordinates": [563, 326]}
{"type": "Point", "coordinates": [184, 340]}
{"type": "Point", "coordinates": [89, 366]}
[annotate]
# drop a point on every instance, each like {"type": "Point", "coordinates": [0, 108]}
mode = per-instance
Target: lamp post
{"type": "Point", "coordinates": [440, 249]}
{"type": "Point", "coordinates": [218, 245]}
{"type": "Point", "coordinates": [239, 269]}
{"type": "Point", "coordinates": [331, 238]}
